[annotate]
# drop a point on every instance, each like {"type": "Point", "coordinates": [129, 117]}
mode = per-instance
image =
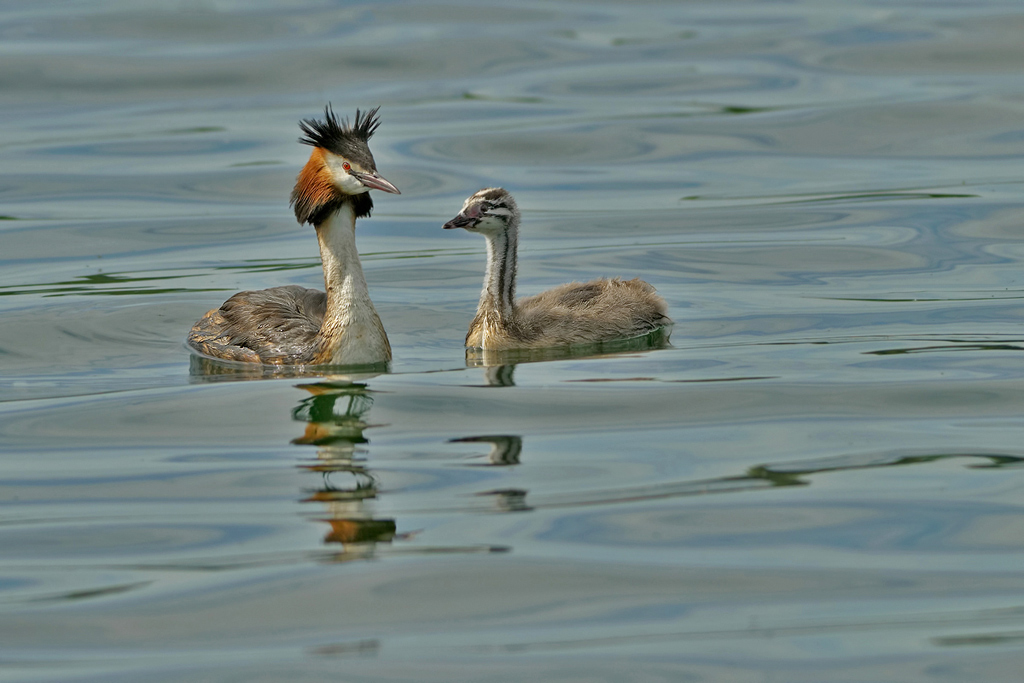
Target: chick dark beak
{"type": "Point", "coordinates": [460, 221]}
{"type": "Point", "coordinates": [375, 182]}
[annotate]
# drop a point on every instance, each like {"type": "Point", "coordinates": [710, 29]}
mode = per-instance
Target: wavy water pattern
{"type": "Point", "coordinates": [815, 474]}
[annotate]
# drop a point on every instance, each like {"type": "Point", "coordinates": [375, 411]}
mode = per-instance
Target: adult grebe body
{"type": "Point", "coordinates": [293, 325]}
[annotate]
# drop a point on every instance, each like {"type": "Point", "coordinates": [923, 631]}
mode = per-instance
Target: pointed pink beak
{"type": "Point", "coordinates": [375, 182]}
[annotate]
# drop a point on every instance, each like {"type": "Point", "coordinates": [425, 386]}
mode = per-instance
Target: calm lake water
{"type": "Point", "coordinates": [820, 477]}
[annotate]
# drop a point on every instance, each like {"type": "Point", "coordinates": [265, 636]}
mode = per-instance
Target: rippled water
{"type": "Point", "coordinates": [818, 478]}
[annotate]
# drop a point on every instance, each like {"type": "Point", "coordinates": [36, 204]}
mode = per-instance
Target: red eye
{"type": "Point", "coordinates": [347, 166]}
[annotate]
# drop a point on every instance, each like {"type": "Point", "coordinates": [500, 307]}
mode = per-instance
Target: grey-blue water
{"type": "Point", "coordinates": [819, 479]}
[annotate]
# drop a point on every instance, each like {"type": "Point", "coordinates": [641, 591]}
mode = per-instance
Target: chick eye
{"type": "Point", "coordinates": [347, 166]}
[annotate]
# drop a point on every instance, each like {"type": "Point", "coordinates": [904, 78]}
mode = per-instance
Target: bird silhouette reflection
{"type": "Point", "coordinates": [335, 418]}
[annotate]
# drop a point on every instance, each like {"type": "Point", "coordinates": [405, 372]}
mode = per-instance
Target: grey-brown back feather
{"type": "Point", "coordinates": [583, 313]}
{"type": "Point", "coordinates": [274, 326]}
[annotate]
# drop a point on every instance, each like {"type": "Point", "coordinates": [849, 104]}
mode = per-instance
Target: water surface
{"type": "Point", "coordinates": [818, 478]}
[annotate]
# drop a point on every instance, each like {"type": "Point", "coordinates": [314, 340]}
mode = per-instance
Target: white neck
{"type": "Point", "coordinates": [498, 298]}
{"type": "Point", "coordinates": [351, 332]}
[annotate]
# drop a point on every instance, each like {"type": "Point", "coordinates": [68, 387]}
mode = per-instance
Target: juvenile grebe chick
{"type": "Point", "coordinates": [293, 325]}
{"type": "Point", "coordinates": [574, 313]}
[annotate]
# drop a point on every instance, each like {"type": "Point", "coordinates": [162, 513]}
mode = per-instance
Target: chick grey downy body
{"type": "Point", "coordinates": [575, 313]}
{"type": "Point", "coordinates": [292, 325]}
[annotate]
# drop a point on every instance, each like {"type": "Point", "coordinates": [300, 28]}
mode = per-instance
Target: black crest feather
{"type": "Point", "coordinates": [314, 198]}
{"type": "Point", "coordinates": [337, 136]}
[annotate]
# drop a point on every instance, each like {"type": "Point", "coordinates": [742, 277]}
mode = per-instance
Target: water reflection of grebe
{"type": "Point", "coordinates": [505, 450]}
{"type": "Point", "coordinates": [570, 314]}
{"type": "Point", "coordinates": [334, 417]}
{"type": "Point", "coordinates": [293, 325]}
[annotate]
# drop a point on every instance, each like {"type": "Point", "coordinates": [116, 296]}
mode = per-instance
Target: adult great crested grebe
{"type": "Point", "coordinates": [293, 325]}
{"type": "Point", "coordinates": [574, 313]}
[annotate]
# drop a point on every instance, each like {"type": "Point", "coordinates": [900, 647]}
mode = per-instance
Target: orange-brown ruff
{"type": "Point", "coordinates": [293, 325]}
{"type": "Point", "coordinates": [574, 313]}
